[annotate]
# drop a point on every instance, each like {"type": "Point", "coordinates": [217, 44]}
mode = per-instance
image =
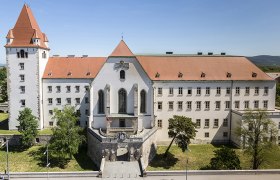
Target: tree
{"type": "Point", "coordinates": [225, 158]}
{"type": "Point", "coordinates": [3, 85]}
{"type": "Point", "coordinates": [182, 130]}
{"type": "Point", "coordinates": [67, 136]}
{"type": "Point", "coordinates": [259, 134]}
{"type": "Point", "coordinates": [28, 125]}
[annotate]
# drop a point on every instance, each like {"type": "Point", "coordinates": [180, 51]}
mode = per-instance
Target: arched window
{"type": "Point", "coordinates": [22, 53]}
{"type": "Point", "coordinates": [100, 102]}
{"type": "Point", "coordinates": [122, 101]}
{"type": "Point", "coordinates": [143, 101]}
{"type": "Point", "coordinates": [122, 74]}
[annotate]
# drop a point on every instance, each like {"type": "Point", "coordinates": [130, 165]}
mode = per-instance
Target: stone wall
{"type": "Point", "coordinates": [14, 140]}
{"type": "Point", "coordinates": [149, 148]}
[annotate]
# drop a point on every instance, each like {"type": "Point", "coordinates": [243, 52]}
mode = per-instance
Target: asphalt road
{"type": "Point", "coordinates": [194, 177]}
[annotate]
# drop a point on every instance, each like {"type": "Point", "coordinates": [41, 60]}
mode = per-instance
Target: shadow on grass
{"type": "Point", "coordinates": [164, 162]}
{"type": "Point", "coordinates": [226, 145]}
{"type": "Point", "coordinates": [4, 125]}
{"type": "Point", "coordinates": [84, 161]}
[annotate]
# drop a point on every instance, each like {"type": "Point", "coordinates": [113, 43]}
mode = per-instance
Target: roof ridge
{"type": "Point", "coordinates": [122, 50]}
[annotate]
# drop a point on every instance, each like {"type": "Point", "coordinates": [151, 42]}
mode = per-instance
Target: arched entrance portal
{"type": "Point", "coordinates": [122, 154]}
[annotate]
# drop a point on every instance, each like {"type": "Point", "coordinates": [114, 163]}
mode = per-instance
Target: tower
{"type": "Point", "coordinates": [27, 53]}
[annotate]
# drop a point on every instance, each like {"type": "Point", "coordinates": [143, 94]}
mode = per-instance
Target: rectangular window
{"type": "Point", "coordinates": [170, 105]}
{"type": "Point", "coordinates": [218, 104]}
{"type": "Point", "coordinates": [225, 134]}
{"type": "Point", "coordinates": [170, 91]}
{"type": "Point", "coordinates": [78, 101]}
{"type": "Point", "coordinates": [159, 91]}
{"type": "Point", "coordinates": [218, 90]}
{"type": "Point", "coordinates": [58, 89]}
{"type": "Point", "coordinates": [51, 123]}
{"type": "Point", "coordinates": [227, 104]}
{"type": "Point", "coordinates": [207, 91]}
{"type": "Point", "coordinates": [21, 66]}
{"type": "Point", "coordinates": [68, 89]}
{"type": "Point", "coordinates": [68, 100]}
{"type": "Point", "coordinates": [246, 104]}
{"type": "Point", "coordinates": [86, 112]}
{"type": "Point", "coordinates": [159, 106]}
{"type": "Point", "coordinates": [50, 100]}
{"type": "Point", "coordinates": [86, 100]}
{"type": "Point", "coordinates": [236, 104]}
{"type": "Point", "coordinates": [257, 90]}
{"type": "Point", "coordinates": [207, 105]}
{"type": "Point", "coordinates": [237, 90]}
{"type": "Point", "coordinates": [206, 135]}
{"type": "Point", "coordinates": [247, 90]}
{"type": "Point", "coordinates": [265, 91]}
{"type": "Point", "coordinates": [86, 88]}
{"type": "Point", "coordinates": [206, 125]}
{"type": "Point", "coordinates": [22, 102]}
{"type": "Point", "coordinates": [58, 100]}
{"type": "Point", "coordinates": [216, 123]}
{"type": "Point", "coordinates": [189, 105]}
{"type": "Point", "coordinates": [77, 89]}
{"type": "Point", "coordinates": [197, 123]}
{"type": "Point", "coordinates": [22, 89]}
{"type": "Point", "coordinates": [198, 90]}
{"type": "Point", "coordinates": [228, 91]}
{"type": "Point", "coordinates": [78, 112]}
{"type": "Point", "coordinates": [22, 78]}
{"type": "Point", "coordinates": [189, 91]}
{"type": "Point", "coordinates": [180, 91]}
{"type": "Point", "coordinates": [265, 104]}
{"type": "Point", "coordinates": [159, 123]}
{"type": "Point", "coordinates": [198, 105]}
{"type": "Point", "coordinates": [49, 89]}
{"type": "Point", "coordinates": [50, 112]}
{"type": "Point", "coordinates": [180, 105]}
{"type": "Point", "coordinates": [256, 104]}
{"type": "Point", "coordinates": [225, 123]}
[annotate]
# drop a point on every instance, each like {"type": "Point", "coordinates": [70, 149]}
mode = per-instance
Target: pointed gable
{"type": "Point", "coordinates": [25, 29]}
{"type": "Point", "coordinates": [122, 50]}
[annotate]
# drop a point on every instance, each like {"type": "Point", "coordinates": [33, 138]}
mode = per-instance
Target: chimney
{"type": "Point", "coordinates": [223, 53]}
{"type": "Point", "coordinates": [210, 53]}
{"type": "Point", "coordinates": [71, 56]}
{"type": "Point", "coordinates": [169, 52]}
{"type": "Point", "coordinates": [199, 53]}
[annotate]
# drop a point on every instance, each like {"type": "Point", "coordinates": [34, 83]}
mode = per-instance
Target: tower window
{"type": "Point", "coordinates": [22, 103]}
{"type": "Point", "coordinates": [122, 74]}
{"type": "Point", "coordinates": [22, 53]}
{"type": "Point", "coordinates": [21, 65]}
{"type": "Point", "coordinates": [122, 101]}
{"type": "Point", "coordinates": [44, 55]}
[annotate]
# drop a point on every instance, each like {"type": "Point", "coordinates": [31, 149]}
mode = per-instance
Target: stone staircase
{"type": "Point", "coordinates": [121, 170]}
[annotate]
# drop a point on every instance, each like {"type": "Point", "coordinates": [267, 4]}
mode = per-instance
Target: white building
{"type": "Point", "coordinates": [135, 94]}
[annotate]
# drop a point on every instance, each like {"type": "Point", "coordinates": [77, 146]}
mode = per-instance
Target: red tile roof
{"type": "Point", "coordinates": [73, 67]}
{"type": "Point", "coordinates": [24, 29]}
{"type": "Point", "coordinates": [122, 50]}
{"type": "Point", "coordinates": [200, 68]}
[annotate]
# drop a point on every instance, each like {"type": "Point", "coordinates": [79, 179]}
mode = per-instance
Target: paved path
{"type": "Point", "coordinates": [121, 169]}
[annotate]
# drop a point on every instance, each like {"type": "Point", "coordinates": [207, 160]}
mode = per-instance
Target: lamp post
{"type": "Point", "coordinates": [48, 164]}
{"type": "Point", "coordinates": [7, 152]}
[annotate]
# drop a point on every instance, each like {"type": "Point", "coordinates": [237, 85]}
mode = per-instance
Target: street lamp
{"type": "Point", "coordinates": [48, 164]}
{"type": "Point", "coordinates": [7, 148]}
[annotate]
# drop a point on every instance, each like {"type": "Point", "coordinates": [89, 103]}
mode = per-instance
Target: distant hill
{"type": "Point", "coordinates": [265, 60]}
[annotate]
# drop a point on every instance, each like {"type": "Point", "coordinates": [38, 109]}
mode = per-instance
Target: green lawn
{"type": "Point", "coordinates": [3, 116]}
{"type": "Point", "coordinates": [200, 155]}
{"type": "Point", "coordinates": [34, 160]}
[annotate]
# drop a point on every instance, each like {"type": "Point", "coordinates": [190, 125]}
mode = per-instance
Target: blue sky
{"type": "Point", "coordinates": [95, 27]}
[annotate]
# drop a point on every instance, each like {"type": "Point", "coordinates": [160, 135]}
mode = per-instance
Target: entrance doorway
{"type": "Point", "coordinates": [122, 154]}
{"type": "Point", "coordinates": [122, 123]}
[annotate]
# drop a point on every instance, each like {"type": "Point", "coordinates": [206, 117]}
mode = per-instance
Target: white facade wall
{"type": "Point", "coordinates": [215, 133]}
{"type": "Point", "coordinates": [31, 83]}
{"type": "Point", "coordinates": [109, 75]}
{"type": "Point", "coordinates": [64, 94]}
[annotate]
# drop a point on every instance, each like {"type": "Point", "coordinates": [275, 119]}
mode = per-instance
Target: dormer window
{"type": "Point", "coordinates": [228, 75]}
{"type": "Point", "coordinates": [69, 74]}
{"type": "Point", "coordinates": [180, 75]}
{"type": "Point", "coordinates": [254, 74]}
{"type": "Point", "coordinates": [157, 75]}
{"type": "Point", "coordinates": [88, 73]}
{"type": "Point", "coordinates": [203, 75]}
{"type": "Point", "coordinates": [122, 74]}
{"type": "Point", "coordinates": [49, 74]}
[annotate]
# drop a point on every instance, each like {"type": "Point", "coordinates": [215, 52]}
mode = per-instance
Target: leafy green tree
{"type": "Point", "coordinates": [259, 135]}
{"type": "Point", "coordinates": [225, 158]}
{"type": "Point", "coordinates": [182, 130]}
{"type": "Point", "coordinates": [3, 85]}
{"type": "Point", "coordinates": [28, 125]}
{"type": "Point", "coordinates": [67, 136]}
